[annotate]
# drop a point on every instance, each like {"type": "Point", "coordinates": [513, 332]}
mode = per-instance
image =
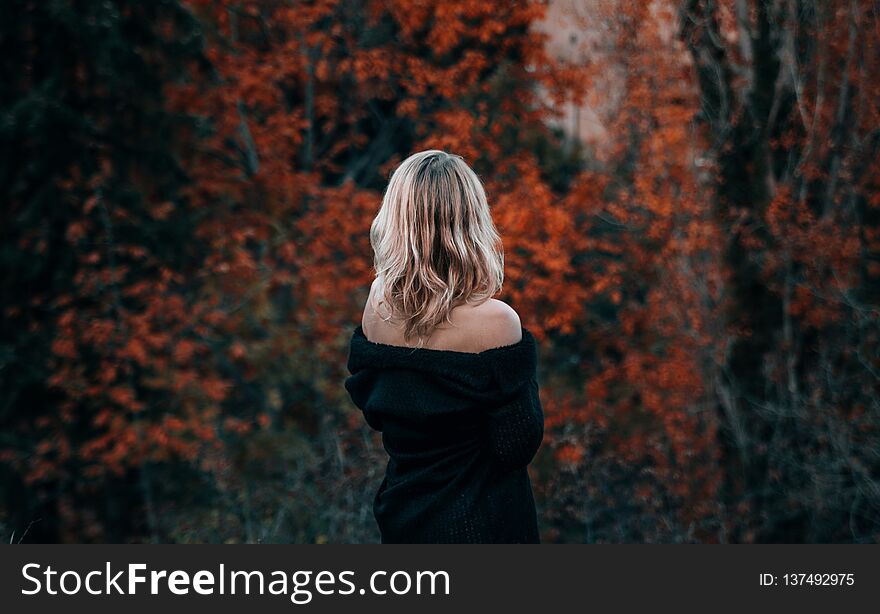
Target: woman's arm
{"type": "Point", "coordinates": [516, 428]}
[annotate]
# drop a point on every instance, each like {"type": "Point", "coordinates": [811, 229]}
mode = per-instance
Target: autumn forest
{"type": "Point", "coordinates": [689, 200]}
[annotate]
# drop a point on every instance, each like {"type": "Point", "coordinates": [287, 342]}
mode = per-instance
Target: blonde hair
{"type": "Point", "coordinates": [434, 243]}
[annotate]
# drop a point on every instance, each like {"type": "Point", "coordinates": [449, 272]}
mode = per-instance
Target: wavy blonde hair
{"type": "Point", "coordinates": [434, 243]}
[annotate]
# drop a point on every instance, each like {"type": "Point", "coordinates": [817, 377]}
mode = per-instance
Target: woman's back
{"type": "Point", "coordinates": [460, 428]}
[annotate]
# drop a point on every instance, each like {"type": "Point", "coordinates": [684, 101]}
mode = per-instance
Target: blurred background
{"type": "Point", "coordinates": [689, 196]}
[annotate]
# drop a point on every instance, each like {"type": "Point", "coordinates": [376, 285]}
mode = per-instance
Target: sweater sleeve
{"type": "Point", "coordinates": [516, 427]}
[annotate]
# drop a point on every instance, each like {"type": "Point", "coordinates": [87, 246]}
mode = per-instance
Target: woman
{"type": "Point", "coordinates": [443, 370]}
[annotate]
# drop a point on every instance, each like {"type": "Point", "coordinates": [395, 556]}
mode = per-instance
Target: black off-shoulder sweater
{"type": "Point", "coordinates": [460, 429]}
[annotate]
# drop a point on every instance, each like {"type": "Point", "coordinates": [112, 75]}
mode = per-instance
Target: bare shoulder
{"type": "Point", "coordinates": [495, 324]}
{"type": "Point", "coordinates": [473, 328]}
{"type": "Point", "coordinates": [370, 314]}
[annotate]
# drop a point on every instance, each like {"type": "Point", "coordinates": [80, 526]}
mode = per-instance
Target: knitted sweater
{"type": "Point", "coordinates": [460, 429]}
